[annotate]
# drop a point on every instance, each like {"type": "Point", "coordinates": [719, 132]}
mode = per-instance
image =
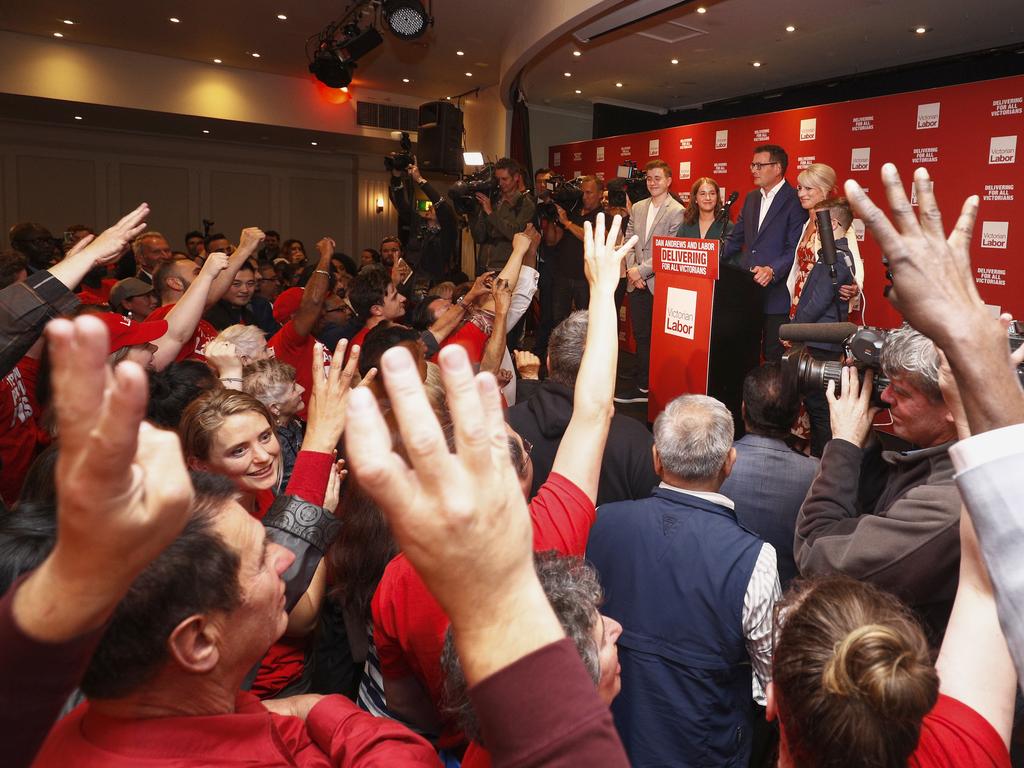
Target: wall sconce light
{"type": "Point", "coordinates": [380, 204]}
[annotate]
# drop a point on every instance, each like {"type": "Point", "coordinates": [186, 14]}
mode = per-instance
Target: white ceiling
{"type": "Point", "coordinates": [832, 38]}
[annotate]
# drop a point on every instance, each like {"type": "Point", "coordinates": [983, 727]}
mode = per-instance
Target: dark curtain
{"type": "Point", "coordinates": [519, 142]}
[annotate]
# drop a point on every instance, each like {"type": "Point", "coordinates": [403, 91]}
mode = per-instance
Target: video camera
{"type": "Point", "coordinates": [634, 184]}
{"type": "Point", "coordinates": [862, 346]}
{"type": "Point", "coordinates": [463, 192]}
{"type": "Point", "coordinates": [559, 191]}
{"type": "Point", "coordinates": [401, 160]}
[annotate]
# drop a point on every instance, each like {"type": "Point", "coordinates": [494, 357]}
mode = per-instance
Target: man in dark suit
{"type": "Point", "coordinates": [765, 238]}
{"type": "Point", "coordinates": [769, 479]}
{"type": "Point", "coordinates": [694, 592]}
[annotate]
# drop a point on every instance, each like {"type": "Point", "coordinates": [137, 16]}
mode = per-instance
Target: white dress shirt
{"type": "Point", "coordinates": [763, 591]}
{"type": "Point", "coordinates": [766, 201]}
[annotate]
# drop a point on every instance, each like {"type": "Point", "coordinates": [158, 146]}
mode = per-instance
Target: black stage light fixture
{"type": "Point", "coordinates": [407, 19]}
{"type": "Point", "coordinates": [334, 61]}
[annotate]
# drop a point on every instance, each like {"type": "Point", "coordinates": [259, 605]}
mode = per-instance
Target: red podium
{"type": "Point", "coordinates": [685, 271]}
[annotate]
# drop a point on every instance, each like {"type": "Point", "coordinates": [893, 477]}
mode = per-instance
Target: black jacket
{"type": "Point", "coordinates": [627, 468]}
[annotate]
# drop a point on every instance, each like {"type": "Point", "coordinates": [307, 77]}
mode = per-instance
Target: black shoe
{"type": "Point", "coordinates": [632, 395]}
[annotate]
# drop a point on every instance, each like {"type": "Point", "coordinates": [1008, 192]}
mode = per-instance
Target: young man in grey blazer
{"type": "Point", "coordinates": [660, 214]}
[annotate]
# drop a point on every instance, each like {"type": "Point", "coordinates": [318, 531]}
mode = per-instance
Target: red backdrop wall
{"type": "Point", "coordinates": [965, 135]}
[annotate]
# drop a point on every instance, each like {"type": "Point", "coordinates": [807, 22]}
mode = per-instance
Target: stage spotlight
{"type": "Point", "coordinates": [407, 19]}
{"type": "Point", "coordinates": [335, 59]}
{"type": "Point", "coordinates": [329, 69]}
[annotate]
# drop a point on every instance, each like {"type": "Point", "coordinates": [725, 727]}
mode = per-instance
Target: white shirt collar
{"type": "Point", "coordinates": [771, 192]}
{"type": "Point", "coordinates": [714, 498]}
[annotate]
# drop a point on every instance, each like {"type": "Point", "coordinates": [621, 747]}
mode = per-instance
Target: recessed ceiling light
{"type": "Point", "coordinates": [78, 117]}
{"type": "Point", "coordinates": [618, 85]}
{"type": "Point", "coordinates": [448, 98]}
{"type": "Point", "coordinates": [567, 74]}
{"type": "Point", "coordinates": [702, 9]}
{"type": "Point", "coordinates": [675, 61]}
{"type": "Point", "coordinates": [755, 63]}
{"type": "Point", "coordinates": [791, 28]}
{"type": "Point", "coordinates": [460, 53]}
{"type": "Point", "coordinates": [469, 74]}
{"type": "Point", "coordinates": [576, 53]}
{"type": "Point", "coordinates": [68, 21]}
{"type": "Point", "coordinates": [578, 91]}
{"type": "Point", "coordinates": [217, 61]}
{"type": "Point", "coordinates": [282, 17]}
{"type": "Point", "coordinates": [405, 79]}
{"type": "Point", "coordinates": [174, 19]}
{"type": "Point", "coordinates": [313, 143]}
{"type": "Point", "coordinates": [205, 130]}
{"type": "Point", "coordinates": [255, 55]}
{"type": "Point", "coordinates": [57, 34]}
{"type": "Point", "coordinates": [921, 30]}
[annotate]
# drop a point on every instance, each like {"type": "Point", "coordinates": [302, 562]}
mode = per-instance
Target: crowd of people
{"type": "Point", "coordinates": [273, 508]}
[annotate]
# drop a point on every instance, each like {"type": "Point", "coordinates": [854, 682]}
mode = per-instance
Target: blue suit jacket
{"type": "Point", "coordinates": [819, 300]}
{"type": "Point", "coordinates": [772, 245]}
{"type": "Point", "coordinates": [768, 484]}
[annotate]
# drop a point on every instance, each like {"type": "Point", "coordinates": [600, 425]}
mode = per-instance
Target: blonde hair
{"type": "Point", "coordinates": [852, 674]}
{"type": "Point", "coordinates": [208, 412]}
{"type": "Point", "coordinates": [819, 176]}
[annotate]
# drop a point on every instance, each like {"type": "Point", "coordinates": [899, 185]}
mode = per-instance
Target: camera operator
{"type": "Point", "coordinates": [569, 289]}
{"type": "Point", "coordinates": [890, 518]}
{"type": "Point", "coordinates": [430, 248]}
{"type": "Point", "coordinates": [494, 223]}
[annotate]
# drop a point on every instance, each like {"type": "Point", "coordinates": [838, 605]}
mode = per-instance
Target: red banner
{"type": "Point", "coordinates": [965, 135]}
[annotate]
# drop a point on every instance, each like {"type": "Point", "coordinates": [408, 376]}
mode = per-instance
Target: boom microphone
{"type": "Point", "coordinates": [828, 240]}
{"type": "Point", "coordinates": [829, 333]}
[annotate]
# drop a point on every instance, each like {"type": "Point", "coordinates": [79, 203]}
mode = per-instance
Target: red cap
{"type": "Point", "coordinates": [125, 332]}
{"type": "Point", "coordinates": [287, 304]}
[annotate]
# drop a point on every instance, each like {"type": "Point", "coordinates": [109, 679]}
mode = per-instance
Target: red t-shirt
{"type": "Point", "coordinates": [193, 348]}
{"type": "Point", "coordinates": [20, 435]}
{"type": "Point", "coordinates": [471, 338]}
{"type": "Point", "coordinates": [91, 296]}
{"type": "Point", "coordinates": [335, 733]}
{"type": "Point", "coordinates": [297, 351]}
{"type": "Point", "coordinates": [954, 735]}
{"type": "Point", "coordinates": [408, 623]}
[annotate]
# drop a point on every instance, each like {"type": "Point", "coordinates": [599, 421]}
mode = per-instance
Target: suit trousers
{"type": "Point", "coordinates": [772, 346]}
{"type": "Point", "coordinates": [567, 294]}
{"type": "Point", "coordinates": [641, 311]}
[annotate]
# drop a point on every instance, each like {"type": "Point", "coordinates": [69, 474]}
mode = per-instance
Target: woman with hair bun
{"type": "Point", "coordinates": [853, 683]}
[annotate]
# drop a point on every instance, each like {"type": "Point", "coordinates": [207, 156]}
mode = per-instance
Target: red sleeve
{"type": "Point", "coordinates": [562, 517]}
{"type": "Point", "coordinates": [524, 725]}
{"type": "Point", "coordinates": [954, 734]}
{"type": "Point", "coordinates": [469, 337]}
{"type": "Point", "coordinates": [286, 343]}
{"type": "Point", "coordinates": [351, 737]}
{"type": "Point", "coordinates": [309, 476]}
{"type": "Point", "coordinates": [36, 680]}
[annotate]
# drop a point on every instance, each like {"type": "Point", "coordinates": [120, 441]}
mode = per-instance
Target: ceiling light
{"type": "Point", "coordinates": [675, 61]}
{"type": "Point", "coordinates": [78, 117]}
{"type": "Point", "coordinates": [57, 34]}
{"type": "Point", "coordinates": [460, 53]}
{"type": "Point", "coordinates": [578, 91]}
{"type": "Point", "coordinates": [469, 74]}
{"type": "Point", "coordinates": [702, 9]}
{"type": "Point", "coordinates": [174, 20]}
{"type": "Point", "coordinates": [217, 61]}
{"type": "Point", "coordinates": [921, 30]}
{"type": "Point", "coordinates": [791, 28]}
{"type": "Point", "coordinates": [618, 85]}
{"type": "Point", "coordinates": [576, 53]}
{"type": "Point", "coordinates": [405, 79]}
{"type": "Point", "coordinates": [406, 18]}
{"type": "Point", "coordinates": [567, 74]}
{"type": "Point", "coordinates": [255, 55]}
{"type": "Point", "coordinates": [755, 63]}
{"type": "Point", "coordinates": [448, 98]}
{"type": "Point", "coordinates": [312, 143]}
{"type": "Point", "coordinates": [68, 21]}
{"type": "Point", "coordinates": [205, 130]}
{"type": "Point", "coordinates": [282, 17]}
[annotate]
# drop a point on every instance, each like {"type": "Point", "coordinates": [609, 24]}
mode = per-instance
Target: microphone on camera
{"type": "Point", "coordinates": [829, 333]}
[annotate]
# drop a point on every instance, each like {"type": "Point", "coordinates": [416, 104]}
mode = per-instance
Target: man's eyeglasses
{"type": "Point", "coordinates": [759, 166]}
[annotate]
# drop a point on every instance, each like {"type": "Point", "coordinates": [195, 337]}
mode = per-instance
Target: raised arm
{"type": "Point", "coordinates": [188, 311]}
{"type": "Point", "coordinates": [92, 251]}
{"type": "Point", "coordinates": [316, 290]}
{"type": "Point", "coordinates": [248, 243]}
{"type": "Point", "coordinates": [521, 245]}
{"type": "Point", "coordinates": [579, 454]}
{"type": "Point", "coordinates": [494, 350]}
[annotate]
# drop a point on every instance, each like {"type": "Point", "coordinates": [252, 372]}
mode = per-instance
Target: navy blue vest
{"type": "Point", "coordinates": [675, 569]}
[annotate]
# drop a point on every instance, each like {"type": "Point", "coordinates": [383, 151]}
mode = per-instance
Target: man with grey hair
{"type": "Point", "coordinates": [889, 517]}
{"type": "Point", "coordinates": [150, 249]}
{"type": "Point", "coordinates": [627, 471]}
{"type": "Point", "coordinates": [694, 592]}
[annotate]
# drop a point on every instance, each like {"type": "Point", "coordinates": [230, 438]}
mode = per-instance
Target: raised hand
{"type": "Point", "coordinates": [215, 264]}
{"type": "Point", "coordinates": [112, 242]}
{"type": "Point", "coordinates": [601, 258]}
{"type": "Point", "coordinates": [250, 239]}
{"type": "Point", "coordinates": [502, 294]}
{"type": "Point", "coordinates": [325, 246]}
{"type": "Point", "coordinates": [326, 412]}
{"type": "Point", "coordinates": [224, 358]}
{"type": "Point", "coordinates": [527, 363]}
